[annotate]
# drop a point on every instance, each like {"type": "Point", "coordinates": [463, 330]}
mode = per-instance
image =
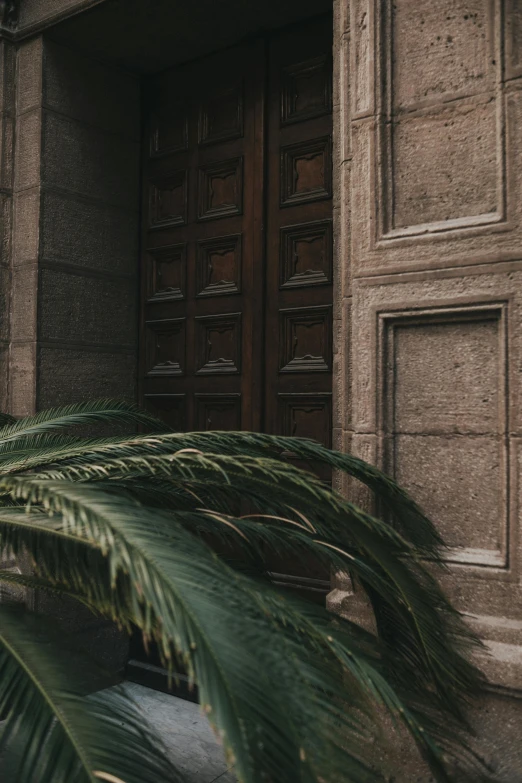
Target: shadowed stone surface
{"type": "Point", "coordinates": [185, 732]}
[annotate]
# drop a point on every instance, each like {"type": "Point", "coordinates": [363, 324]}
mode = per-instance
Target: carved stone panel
{"type": "Point", "coordinates": [165, 347]}
{"type": "Point", "coordinates": [168, 200]}
{"type": "Point", "coordinates": [218, 348]}
{"type": "Point", "coordinates": [306, 90]}
{"type": "Point", "coordinates": [306, 339]}
{"type": "Point", "coordinates": [169, 131]}
{"type": "Point", "coordinates": [446, 45]}
{"type": "Point", "coordinates": [170, 408]}
{"type": "Point", "coordinates": [306, 172]}
{"type": "Point", "coordinates": [306, 254]}
{"type": "Point", "coordinates": [453, 107]}
{"type": "Point", "coordinates": [306, 416]}
{"type": "Point", "coordinates": [218, 411]}
{"type": "Point", "coordinates": [166, 273]}
{"type": "Point", "coordinates": [220, 189]}
{"type": "Point", "coordinates": [221, 115]}
{"type": "Point", "coordinates": [445, 415]}
{"type": "Point", "coordinates": [459, 181]}
{"type": "Point", "coordinates": [219, 266]}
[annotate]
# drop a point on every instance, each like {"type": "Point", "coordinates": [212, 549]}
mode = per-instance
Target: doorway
{"type": "Point", "coordinates": [236, 265]}
{"type": "Point", "coordinates": [237, 238]}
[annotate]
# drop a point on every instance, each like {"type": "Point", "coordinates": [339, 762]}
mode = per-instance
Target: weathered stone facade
{"type": "Point", "coordinates": [428, 271]}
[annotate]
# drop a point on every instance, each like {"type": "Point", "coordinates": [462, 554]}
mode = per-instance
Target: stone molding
{"type": "Point", "coordinates": [22, 18]}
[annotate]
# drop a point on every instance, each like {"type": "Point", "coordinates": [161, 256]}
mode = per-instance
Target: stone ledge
{"type": "Point", "coordinates": [501, 659]}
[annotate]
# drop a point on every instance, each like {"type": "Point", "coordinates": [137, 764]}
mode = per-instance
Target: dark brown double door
{"type": "Point", "coordinates": [237, 238]}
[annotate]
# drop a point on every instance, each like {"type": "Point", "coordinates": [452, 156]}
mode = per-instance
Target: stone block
{"type": "Point", "coordinates": [22, 379]}
{"type": "Point", "coordinates": [445, 165]}
{"type": "Point", "coordinates": [365, 447]}
{"type": "Point", "coordinates": [26, 225]}
{"type": "Point", "coordinates": [28, 150]}
{"type": "Point", "coordinates": [452, 300]}
{"type": "Point", "coordinates": [34, 12]}
{"type": "Point", "coordinates": [24, 302]}
{"type": "Point", "coordinates": [29, 77]}
{"type": "Point", "coordinates": [85, 309]}
{"type": "Point", "coordinates": [345, 402]}
{"type": "Point", "coordinates": [6, 226]}
{"type": "Point", "coordinates": [460, 482]}
{"type": "Point", "coordinates": [68, 375]}
{"type": "Point", "coordinates": [86, 234]}
{"type": "Point", "coordinates": [91, 92]}
{"type": "Point", "coordinates": [446, 376]}
{"type": "Point", "coordinates": [7, 126]}
{"type": "Point", "coordinates": [5, 297]}
{"type": "Point", "coordinates": [4, 377]}
{"type": "Point", "coordinates": [443, 49]}
{"type": "Point", "coordinates": [89, 162]}
{"type": "Point", "coordinates": [7, 78]}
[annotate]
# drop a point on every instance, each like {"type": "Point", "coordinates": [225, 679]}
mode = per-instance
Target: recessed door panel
{"type": "Point", "coordinates": [237, 245]}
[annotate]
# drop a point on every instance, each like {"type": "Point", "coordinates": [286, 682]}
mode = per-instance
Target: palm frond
{"type": "Point", "coordinates": [14, 579]}
{"type": "Point", "coordinates": [129, 532]}
{"type": "Point", "coordinates": [72, 738]}
{"type": "Point", "coordinates": [98, 412]}
{"type": "Point", "coordinates": [420, 606]}
{"type": "Point", "coordinates": [199, 609]}
{"type": "Point", "coordinates": [410, 518]}
{"type": "Point", "coordinates": [123, 523]}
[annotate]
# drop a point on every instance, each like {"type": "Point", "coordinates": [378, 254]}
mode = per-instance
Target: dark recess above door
{"type": "Point", "coordinates": [146, 37]}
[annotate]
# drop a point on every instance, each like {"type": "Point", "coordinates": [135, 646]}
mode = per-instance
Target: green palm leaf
{"type": "Point", "coordinates": [72, 738]}
{"type": "Point", "coordinates": [130, 532]}
{"type": "Point", "coordinates": [417, 600]}
{"type": "Point", "coordinates": [294, 693]}
{"type": "Point", "coordinates": [197, 600]}
{"type": "Point", "coordinates": [99, 412]}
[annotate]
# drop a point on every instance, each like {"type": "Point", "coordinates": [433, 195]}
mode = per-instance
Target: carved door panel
{"type": "Point", "coordinates": [237, 244]}
{"type": "Point", "coordinates": [298, 312]}
{"type": "Point", "coordinates": [299, 234]}
{"type": "Point", "coordinates": [202, 243]}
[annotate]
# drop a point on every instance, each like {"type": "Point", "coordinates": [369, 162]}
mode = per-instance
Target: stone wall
{"type": "Point", "coordinates": [75, 243]}
{"type": "Point", "coordinates": [74, 260]}
{"type": "Point", "coordinates": [7, 122]}
{"type": "Point", "coordinates": [429, 312]}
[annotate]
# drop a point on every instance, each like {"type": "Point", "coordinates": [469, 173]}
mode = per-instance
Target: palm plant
{"type": "Point", "coordinates": [133, 527]}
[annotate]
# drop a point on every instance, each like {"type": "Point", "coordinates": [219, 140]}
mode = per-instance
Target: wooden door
{"type": "Point", "coordinates": [298, 308]}
{"type": "Point", "coordinates": [202, 260]}
{"type": "Point", "coordinates": [237, 245]}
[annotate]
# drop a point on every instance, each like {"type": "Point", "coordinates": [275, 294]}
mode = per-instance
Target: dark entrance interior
{"type": "Point", "coordinates": [236, 221]}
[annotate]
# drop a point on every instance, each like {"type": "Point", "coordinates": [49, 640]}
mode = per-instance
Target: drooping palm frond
{"type": "Point", "coordinates": [292, 691]}
{"type": "Point", "coordinates": [50, 733]}
{"type": "Point", "coordinates": [99, 412]}
{"type": "Point", "coordinates": [416, 597]}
